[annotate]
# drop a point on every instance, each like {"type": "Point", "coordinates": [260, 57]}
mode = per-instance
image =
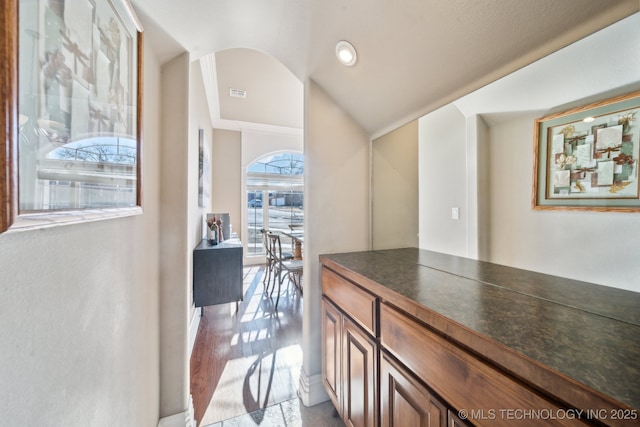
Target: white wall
{"type": "Point", "coordinates": [596, 247]}
{"type": "Point", "coordinates": [255, 145]}
{"type": "Point", "coordinates": [79, 311]}
{"type": "Point", "coordinates": [394, 185]}
{"type": "Point", "coordinates": [336, 211]}
{"type": "Point", "coordinates": [199, 118]}
{"type": "Point", "coordinates": [184, 112]}
{"type": "Point", "coordinates": [174, 237]}
{"type": "Point", "coordinates": [227, 192]}
{"type": "Point", "coordinates": [479, 188]}
{"type": "Point", "coordinates": [442, 153]}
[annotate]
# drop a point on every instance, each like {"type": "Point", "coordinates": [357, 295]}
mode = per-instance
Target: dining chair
{"type": "Point", "coordinates": [284, 267]}
{"type": "Point", "coordinates": [269, 259]}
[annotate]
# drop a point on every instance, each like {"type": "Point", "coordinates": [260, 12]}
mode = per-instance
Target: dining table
{"type": "Point", "coordinates": [297, 236]}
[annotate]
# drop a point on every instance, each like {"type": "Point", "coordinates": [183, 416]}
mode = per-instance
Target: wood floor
{"type": "Point", "coordinates": [247, 359]}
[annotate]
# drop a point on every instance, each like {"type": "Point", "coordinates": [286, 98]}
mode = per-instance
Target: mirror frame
{"type": "Point", "coordinates": [10, 216]}
{"type": "Point", "coordinates": [575, 128]}
{"type": "Point", "coordinates": [8, 111]}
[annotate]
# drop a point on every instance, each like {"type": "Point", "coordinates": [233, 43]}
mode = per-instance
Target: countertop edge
{"type": "Point", "coordinates": [535, 374]}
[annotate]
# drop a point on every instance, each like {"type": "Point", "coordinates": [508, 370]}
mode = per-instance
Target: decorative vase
{"type": "Point", "coordinates": [212, 236]}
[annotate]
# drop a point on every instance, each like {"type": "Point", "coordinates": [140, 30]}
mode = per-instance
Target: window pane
{"type": "Point", "coordinates": [285, 210]}
{"type": "Point", "coordinates": [279, 164]}
{"type": "Point", "coordinates": [78, 128]}
{"type": "Point", "coordinates": [254, 223]}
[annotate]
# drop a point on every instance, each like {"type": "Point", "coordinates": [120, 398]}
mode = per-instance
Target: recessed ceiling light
{"type": "Point", "coordinates": [346, 53]}
{"type": "Point", "coordinates": [588, 119]}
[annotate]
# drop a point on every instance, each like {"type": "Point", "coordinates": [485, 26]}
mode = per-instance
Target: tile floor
{"type": "Point", "coordinates": [290, 413]}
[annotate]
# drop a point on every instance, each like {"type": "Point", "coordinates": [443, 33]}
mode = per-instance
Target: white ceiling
{"type": "Point", "coordinates": [602, 65]}
{"type": "Point", "coordinates": [274, 96]}
{"type": "Point", "coordinates": [413, 55]}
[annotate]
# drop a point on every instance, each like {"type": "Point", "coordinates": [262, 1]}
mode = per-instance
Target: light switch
{"type": "Point", "coordinates": [455, 213]}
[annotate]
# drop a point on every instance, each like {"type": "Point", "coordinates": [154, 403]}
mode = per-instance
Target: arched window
{"type": "Point", "coordinates": [275, 197]}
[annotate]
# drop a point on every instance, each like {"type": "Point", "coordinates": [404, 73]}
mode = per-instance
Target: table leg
{"type": "Point", "coordinates": [297, 249]}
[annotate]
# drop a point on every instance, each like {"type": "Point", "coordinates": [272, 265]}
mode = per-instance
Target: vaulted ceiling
{"type": "Point", "coordinates": [413, 55]}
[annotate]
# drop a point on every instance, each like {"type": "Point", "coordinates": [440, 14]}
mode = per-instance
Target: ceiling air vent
{"type": "Point", "coordinates": [237, 93]}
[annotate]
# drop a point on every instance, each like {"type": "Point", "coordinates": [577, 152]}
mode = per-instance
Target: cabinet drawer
{"type": "Point", "coordinates": [490, 396]}
{"type": "Point", "coordinates": [353, 300]}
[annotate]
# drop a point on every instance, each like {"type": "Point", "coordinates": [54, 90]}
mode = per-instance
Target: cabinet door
{"type": "Point", "coordinates": [331, 354]}
{"type": "Point", "coordinates": [217, 274]}
{"type": "Point", "coordinates": [358, 375]}
{"type": "Point", "coordinates": [405, 401]}
{"type": "Point", "coordinates": [454, 421]}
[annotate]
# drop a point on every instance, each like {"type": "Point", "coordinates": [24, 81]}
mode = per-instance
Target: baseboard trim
{"type": "Point", "coordinates": [193, 328]}
{"type": "Point", "coordinates": [183, 419]}
{"type": "Point", "coordinates": [311, 390]}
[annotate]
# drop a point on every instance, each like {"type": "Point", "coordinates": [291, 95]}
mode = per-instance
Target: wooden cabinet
{"type": "Point", "coordinates": [350, 359]}
{"type": "Point", "coordinates": [405, 401]}
{"type": "Point", "coordinates": [425, 378]}
{"type": "Point", "coordinates": [349, 350]}
{"type": "Point", "coordinates": [354, 335]}
{"type": "Point", "coordinates": [464, 380]}
{"type": "Point", "coordinates": [496, 344]}
{"type": "Point", "coordinates": [349, 366]}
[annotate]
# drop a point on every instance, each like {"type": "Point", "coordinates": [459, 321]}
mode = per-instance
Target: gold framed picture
{"type": "Point", "coordinates": [587, 158]}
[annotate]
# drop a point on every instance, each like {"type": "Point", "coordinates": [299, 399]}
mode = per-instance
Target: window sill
{"type": "Point", "coordinates": [36, 221]}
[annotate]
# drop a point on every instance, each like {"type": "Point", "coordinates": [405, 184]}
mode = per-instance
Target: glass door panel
{"type": "Point", "coordinates": [255, 222]}
{"type": "Point", "coordinates": [285, 212]}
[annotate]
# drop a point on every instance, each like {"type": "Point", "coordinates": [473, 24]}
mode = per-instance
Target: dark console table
{"type": "Point", "coordinates": [217, 273]}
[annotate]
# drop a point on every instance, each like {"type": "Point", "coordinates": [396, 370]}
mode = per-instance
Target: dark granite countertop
{"type": "Point", "coordinates": [585, 332]}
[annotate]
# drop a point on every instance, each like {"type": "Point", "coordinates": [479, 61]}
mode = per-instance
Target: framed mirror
{"type": "Point", "coordinates": [71, 85]}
